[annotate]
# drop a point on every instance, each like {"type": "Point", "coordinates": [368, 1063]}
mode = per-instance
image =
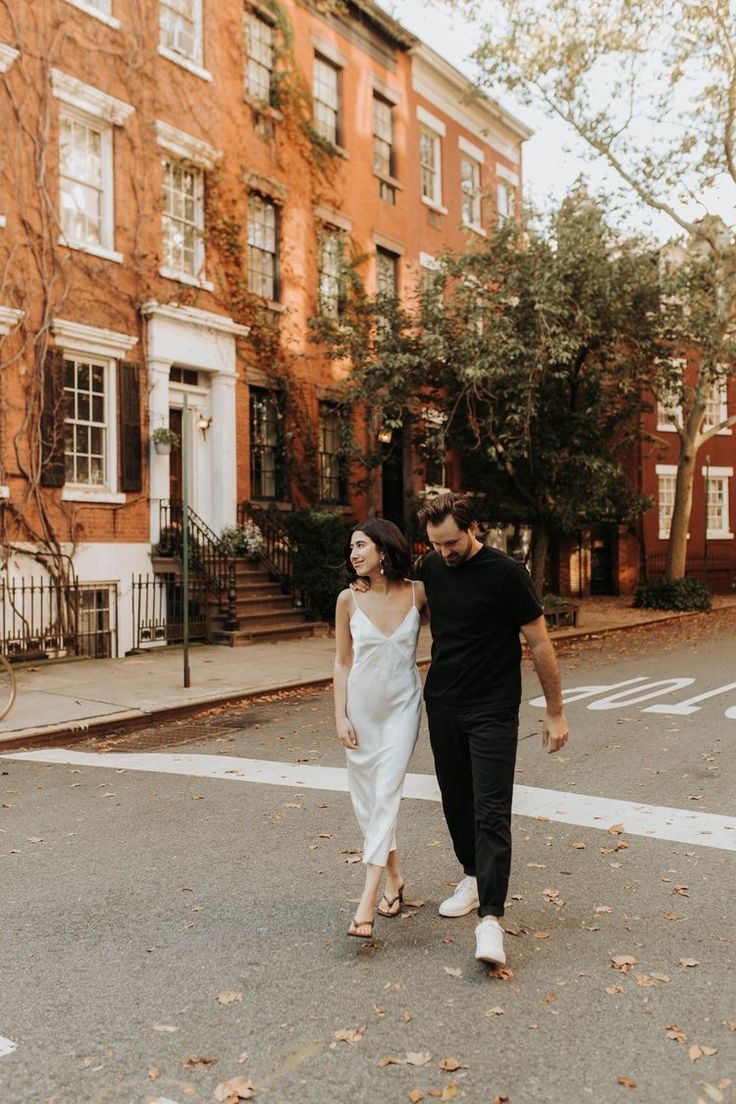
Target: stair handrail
{"type": "Point", "coordinates": [277, 551]}
{"type": "Point", "coordinates": [206, 557]}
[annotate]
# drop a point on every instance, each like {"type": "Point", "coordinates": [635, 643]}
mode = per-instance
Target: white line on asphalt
{"type": "Point", "coordinates": [589, 811]}
{"type": "Point", "coordinates": [7, 1046]}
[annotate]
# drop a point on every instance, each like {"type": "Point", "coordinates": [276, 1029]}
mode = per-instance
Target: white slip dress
{"type": "Point", "coordinates": [384, 707]}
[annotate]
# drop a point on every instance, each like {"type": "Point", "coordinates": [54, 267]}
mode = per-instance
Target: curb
{"type": "Point", "coordinates": [73, 731]}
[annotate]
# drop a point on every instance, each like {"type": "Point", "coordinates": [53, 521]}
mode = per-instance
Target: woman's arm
{"type": "Point", "coordinates": [343, 663]}
{"type": "Point", "coordinates": [420, 596]}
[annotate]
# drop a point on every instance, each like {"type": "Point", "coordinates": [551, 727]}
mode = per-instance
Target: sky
{"type": "Point", "coordinates": [553, 159]}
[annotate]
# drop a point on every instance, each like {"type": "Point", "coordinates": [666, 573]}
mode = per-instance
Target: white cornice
{"type": "Point", "coordinates": [186, 146]}
{"type": "Point", "coordinates": [95, 102]}
{"type": "Point", "coordinates": [91, 339]}
{"type": "Point", "coordinates": [8, 54]}
{"type": "Point", "coordinates": [193, 316]}
{"type": "Point", "coordinates": [9, 317]}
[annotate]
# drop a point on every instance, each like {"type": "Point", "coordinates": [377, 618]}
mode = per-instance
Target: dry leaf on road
{"type": "Point", "coordinates": [229, 996]}
{"type": "Point", "coordinates": [389, 1060]}
{"type": "Point", "coordinates": [449, 1092]}
{"type": "Point", "coordinates": [616, 830]}
{"type": "Point", "coordinates": [450, 1065]}
{"type": "Point", "coordinates": [495, 1011]}
{"type": "Point", "coordinates": [688, 962]}
{"type": "Point", "coordinates": [198, 1062]}
{"type": "Point", "coordinates": [624, 962]}
{"type": "Point", "coordinates": [237, 1088]}
{"type": "Point", "coordinates": [627, 1082]}
{"type": "Point", "coordinates": [418, 1057]}
{"type": "Point", "coordinates": [416, 1095]}
{"type": "Point", "coordinates": [676, 1033]}
{"type": "Point", "coordinates": [349, 1034]}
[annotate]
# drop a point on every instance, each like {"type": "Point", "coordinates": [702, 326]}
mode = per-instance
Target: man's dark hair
{"type": "Point", "coordinates": [452, 505]}
{"type": "Point", "coordinates": [390, 542]}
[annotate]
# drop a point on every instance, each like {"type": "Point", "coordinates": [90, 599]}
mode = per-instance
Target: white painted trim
{"type": "Point", "coordinates": [184, 62]}
{"type": "Point", "coordinates": [3, 222]}
{"type": "Point", "coordinates": [506, 174]}
{"type": "Point", "coordinates": [81, 494]}
{"type": "Point", "coordinates": [384, 241]}
{"type": "Point", "coordinates": [333, 218]}
{"type": "Point", "coordinates": [9, 317]}
{"type": "Point", "coordinates": [86, 98]}
{"type": "Point", "coordinates": [393, 95]}
{"type": "Point", "coordinates": [716, 473]}
{"type": "Point", "coordinates": [426, 260]}
{"type": "Point", "coordinates": [472, 150]}
{"type": "Point", "coordinates": [186, 146]}
{"type": "Point", "coordinates": [193, 316]}
{"type": "Point", "coordinates": [665, 469]}
{"type": "Point", "coordinates": [329, 51]}
{"type": "Point", "coordinates": [103, 17]}
{"type": "Point", "coordinates": [93, 250]}
{"type": "Point", "coordinates": [4, 491]}
{"type": "Point", "coordinates": [431, 121]}
{"type": "Point", "coordinates": [8, 55]}
{"type": "Point", "coordinates": [433, 206]}
{"type": "Point", "coordinates": [185, 278]}
{"type": "Point", "coordinates": [476, 229]}
{"type": "Point", "coordinates": [91, 340]}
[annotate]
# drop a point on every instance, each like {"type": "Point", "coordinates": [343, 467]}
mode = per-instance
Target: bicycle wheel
{"type": "Point", "coordinates": [7, 687]}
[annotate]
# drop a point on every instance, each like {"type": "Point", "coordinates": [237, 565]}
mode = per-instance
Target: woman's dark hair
{"type": "Point", "coordinates": [390, 542]}
{"type": "Point", "coordinates": [452, 505]}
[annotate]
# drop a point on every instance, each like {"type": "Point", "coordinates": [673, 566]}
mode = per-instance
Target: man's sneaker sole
{"type": "Point", "coordinates": [454, 913]}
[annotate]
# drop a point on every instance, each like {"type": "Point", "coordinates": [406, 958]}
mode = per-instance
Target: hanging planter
{"type": "Point", "coordinates": [164, 439]}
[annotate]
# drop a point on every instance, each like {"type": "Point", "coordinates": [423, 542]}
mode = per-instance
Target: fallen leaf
{"type": "Point", "coordinates": [682, 890]}
{"type": "Point", "coordinates": [730, 1024]}
{"type": "Point", "coordinates": [229, 996]}
{"type": "Point", "coordinates": [167, 1028]}
{"type": "Point", "coordinates": [502, 1098]}
{"type": "Point", "coordinates": [614, 989]}
{"type": "Point", "coordinates": [627, 1082]}
{"type": "Point", "coordinates": [198, 1062]}
{"type": "Point", "coordinates": [670, 916]}
{"type": "Point", "coordinates": [153, 1073]}
{"type": "Point", "coordinates": [389, 1060]}
{"type": "Point", "coordinates": [349, 1034]}
{"type": "Point", "coordinates": [541, 935]}
{"type": "Point", "coordinates": [644, 981]}
{"type": "Point", "coordinates": [579, 846]}
{"type": "Point", "coordinates": [495, 1011]}
{"type": "Point", "coordinates": [35, 839]}
{"type": "Point", "coordinates": [408, 1017]}
{"type": "Point", "coordinates": [501, 973]}
{"type": "Point", "coordinates": [418, 1057]}
{"type": "Point", "coordinates": [449, 1092]}
{"type": "Point", "coordinates": [660, 977]}
{"type": "Point", "coordinates": [453, 971]}
{"type": "Point", "coordinates": [548, 998]}
{"type": "Point", "coordinates": [616, 830]}
{"type": "Point", "coordinates": [416, 1095]}
{"type": "Point", "coordinates": [600, 909]}
{"type": "Point", "coordinates": [676, 1033]}
{"type": "Point", "coordinates": [688, 962]}
{"type": "Point", "coordinates": [450, 1065]}
{"type": "Point", "coordinates": [237, 1088]}
{"type": "Point", "coordinates": [624, 963]}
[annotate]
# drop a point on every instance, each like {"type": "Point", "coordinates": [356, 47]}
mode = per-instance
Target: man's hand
{"type": "Point", "coordinates": [346, 733]}
{"type": "Point", "coordinates": [361, 585]}
{"type": "Point", "coordinates": [555, 733]}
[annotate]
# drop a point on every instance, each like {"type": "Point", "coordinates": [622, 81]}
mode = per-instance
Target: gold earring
{"type": "Point", "coordinates": [381, 563]}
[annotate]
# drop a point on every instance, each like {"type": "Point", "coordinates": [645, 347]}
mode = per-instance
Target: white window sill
{"type": "Point", "coordinates": [434, 206]}
{"type": "Point", "coordinates": [475, 228]}
{"type": "Point", "coordinates": [4, 492]}
{"type": "Point", "coordinates": [93, 250]}
{"type": "Point", "coordinates": [185, 63]}
{"type": "Point", "coordinates": [85, 494]}
{"type": "Point", "coordinates": [3, 222]}
{"type": "Point", "coordinates": [664, 534]}
{"type": "Point", "coordinates": [185, 278]}
{"type": "Point", "coordinates": [718, 534]}
{"type": "Point", "coordinates": [666, 427]}
{"type": "Point", "coordinates": [722, 432]}
{"type": "Point", "coordinates": [103, 17]}
{"type": "Point", "coordinates": [263, 107]}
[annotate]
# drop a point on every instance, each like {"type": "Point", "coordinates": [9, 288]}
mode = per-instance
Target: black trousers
{"type": "Point", "coordinates": [474, 757]}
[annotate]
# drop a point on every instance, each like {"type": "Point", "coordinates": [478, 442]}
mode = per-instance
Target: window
{"type": "Point", "coordinates": [100, 9]}
{"type": "Point", "coordinates": [331, 287]}
{"type": "Point", "coordinates": [665, 500]}
{"type": "Point", "coordinates": [505, 201]}
{"type": "Point", "coordinates": [716, 407]}
{"type": "Point", "coordinates": [669, 403]}
{"type": "Point", "coordinates": [333, 482]}
{"type": "Point", "coordinates": [716, 502]}
{"type": "Point", "coordinates": [86, 202]}
{"type": "Point", "coordinates": [387, 273]}
{"type": "Point", "coordinates": [265, 445]}
{"type": "Point", "coordinates": [326, 92]}
{"type": "Point", "coordinates": [262, 247]}
{"type": "Point", "coordinates": [383, 136]}
{"type": "Point", "coordinates": [259, 48]}
{"type": "Point", "coordinates": [96, 628]}
{"type": "Point", "coordinates": [180, 27]}
{"type": "Point", "coordinates": [85, 427]}
{"type": "Point", "coordinates": [183, 218]}
{"type": "Point", "coordinates": [430, 159]}
{"type": "Point", "coordinates": [470, 187]}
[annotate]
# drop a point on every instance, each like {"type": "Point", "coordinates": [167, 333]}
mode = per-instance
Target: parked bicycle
{"type": "Point", "coordinates": [8, 687]}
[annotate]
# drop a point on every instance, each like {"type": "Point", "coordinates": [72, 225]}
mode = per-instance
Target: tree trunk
{"type": "Point", "coordinates": [539, 549]}
{"type": "Point", "coordinates": [677, 544]}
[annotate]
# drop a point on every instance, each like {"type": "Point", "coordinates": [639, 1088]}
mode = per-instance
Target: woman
{"type": "Point", "coordinates": [378, 700]}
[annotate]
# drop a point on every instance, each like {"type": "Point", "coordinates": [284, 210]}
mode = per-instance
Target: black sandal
{"type": "Point", "coordinates": [390, 904]}
{"type": "Point", "coordinates": [361, 924]}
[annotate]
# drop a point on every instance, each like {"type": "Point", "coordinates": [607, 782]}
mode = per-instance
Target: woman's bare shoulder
{"type": "Point", "coordinates": [344, 598]}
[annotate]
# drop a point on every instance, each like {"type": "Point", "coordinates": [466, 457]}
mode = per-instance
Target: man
{"type": "Point", "coordinates": [479, 600]}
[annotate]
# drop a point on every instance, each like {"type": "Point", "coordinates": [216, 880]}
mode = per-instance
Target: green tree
{"type": "Point", "coordinates": [650, 88]}
{"type": "Point", "coordinates": [531, 353]}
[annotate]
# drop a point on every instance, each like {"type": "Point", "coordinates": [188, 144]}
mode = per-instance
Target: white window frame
{"type": "Point", "coordinates": [103, 13]}
{"type": "Point", "coordinates": [256, 16]}
{"type": "Point", "coordinates": [718, 401]}
{"type": "Point", "coordinates": [320, 59]}
{"type": "Point", "coordinates": [194, 62]}
{"type": "Point", "coordinates": [100, 111]}
{"type": "Point", "coordinates": [195, 154]}
{"type": "Point", "coordinates": [435, 200]}
{"type": "Point", "coordinates": [103, 248]}
{"type": "Point", "coordinates": [104, 347]}
{"type": "Point", "coordinates": [721, 475]}
{"type": "Point", "coordinates": [669, 472]}
{"type": "Point", "coordinates": [270, 203]}
{"type": "Point", "coordinates": [669, 414]}
{"type": "Point", "coordinates": [505, 201]}
{"type": "Point", "coordinates": [471, 159]}
{"type": "Point", "coordinates": [330, 301]}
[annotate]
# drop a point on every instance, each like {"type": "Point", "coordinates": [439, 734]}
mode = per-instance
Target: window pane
{"type": "Point", "coordinates": [262, 247]}
{"type": "Point", "coordinates": [179, 26]}
{"type": "Point", "coordinates": [183, 217]}
{"type": "Point", "coordinates": [382, 136]}
{"type": "Point", "coordinates": [325, 91]}
{"type": "Point", "coordinates": [81, 181]}
{"type": "Point", "coordinates": [259, 45]}
{"type": "Point", "coordinates": [85, 430]}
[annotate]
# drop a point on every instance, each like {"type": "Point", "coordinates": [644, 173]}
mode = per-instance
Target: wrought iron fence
{"type": "Point", "coordinates": [212, 566]}
{"type": "Point", "coordinates": [277, 553]}
{"type": "Point", "coordinates": [44, 618]}
{"type": "Point", "coordinates": [158, 610]}
{"type": "Point", "coordinates": [717, 572]}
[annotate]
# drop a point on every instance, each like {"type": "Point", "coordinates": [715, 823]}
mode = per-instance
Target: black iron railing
{"type": "Point", "coordinates": [207, 561]}
{"type": "Point", "coordinates": [158, 610]}
{"type": "Point", "coordinates": [278, 551]}
{"type": "Point", "coordinates": [718, 572]}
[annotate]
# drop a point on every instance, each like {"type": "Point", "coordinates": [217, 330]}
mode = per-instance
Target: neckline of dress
{"type": "Point", "coordinates": [386, 636]}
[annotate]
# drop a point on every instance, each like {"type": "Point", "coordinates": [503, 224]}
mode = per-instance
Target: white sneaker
{"type": "Point", "coordinates": [489, 941]}
{"type": "Point", "coordinates": [463, 900]}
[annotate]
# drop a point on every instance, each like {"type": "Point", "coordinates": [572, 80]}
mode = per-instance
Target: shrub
{"type": "Point", "coordinates": [673, 594]}
{"type": "Point", "coordinates": [319, 539]}
{"type": "Point", "coordinates": [241, 540]}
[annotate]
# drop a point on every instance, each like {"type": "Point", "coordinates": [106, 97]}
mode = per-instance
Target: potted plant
{"type": "Point", "coordinates": [164, 439]}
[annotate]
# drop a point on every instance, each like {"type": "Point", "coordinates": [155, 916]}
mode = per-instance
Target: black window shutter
{"type": "Point", "coordinates": [53, 472]}
{"type": "Point", "coordinates": [129, 407]}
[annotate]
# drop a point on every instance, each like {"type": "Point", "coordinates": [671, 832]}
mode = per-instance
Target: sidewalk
{"type": "Point", "coordinates": [57, 701]}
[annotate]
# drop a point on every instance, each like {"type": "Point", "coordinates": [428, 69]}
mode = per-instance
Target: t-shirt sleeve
{"type": "Point", "coordinates": [520, 596]}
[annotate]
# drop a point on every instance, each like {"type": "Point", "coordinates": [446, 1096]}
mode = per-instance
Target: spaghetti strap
{"type": "Point", "coordinates": [354, 598]}
{"type": "Point", "coordinates": [413, 596]}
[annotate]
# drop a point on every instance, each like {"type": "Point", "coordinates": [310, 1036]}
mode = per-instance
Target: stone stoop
{"type": "Point", "coordinates": [264, 613]}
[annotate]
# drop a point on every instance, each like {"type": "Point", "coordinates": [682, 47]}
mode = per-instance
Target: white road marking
{"type": "Point", "coordinates": [684, 708]}
{"type": "Point", "coordinates": [586, 810]}
{"type": "Point", "coordinates": [7, 1046]}
{"type": "Point", "coordinates": [641, 693]}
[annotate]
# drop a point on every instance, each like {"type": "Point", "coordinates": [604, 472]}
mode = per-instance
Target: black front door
{"type": "Point", "coordinates": [393, 479]}
{"type": "Point", "coordinates": [602, 543]}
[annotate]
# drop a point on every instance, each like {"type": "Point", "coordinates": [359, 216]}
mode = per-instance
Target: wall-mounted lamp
{"type": "Point", "coordinates": [385, 436]}
{"type": "Point", "coordinates": [204, 424]}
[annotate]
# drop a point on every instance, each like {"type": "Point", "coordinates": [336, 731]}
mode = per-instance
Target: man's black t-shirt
{"type": "Point", "coordinates": [476, 610]}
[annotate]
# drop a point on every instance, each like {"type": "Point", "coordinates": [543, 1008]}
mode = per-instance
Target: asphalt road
{"type": "Point", "coordinates": [161, 933]}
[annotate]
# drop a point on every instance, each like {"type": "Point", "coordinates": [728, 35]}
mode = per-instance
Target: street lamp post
{"type": "Point", "coordinates": [185, 536]}
{"type": "Point", "coordinates": [705, 526]}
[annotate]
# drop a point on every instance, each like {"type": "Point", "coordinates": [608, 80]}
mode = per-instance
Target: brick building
{"type": "Point", "coordinates": [180, 179]}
